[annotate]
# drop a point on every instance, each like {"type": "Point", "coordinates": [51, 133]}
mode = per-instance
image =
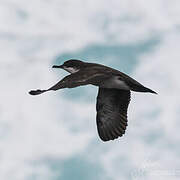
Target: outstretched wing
{"type": "Point", "coordinates": [112, 105]}
{"type": "Point", "coordinates": [74, 80]}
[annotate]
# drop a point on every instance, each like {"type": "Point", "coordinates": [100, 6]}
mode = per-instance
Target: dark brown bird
{"type": "Point", "coordinates": [113, 96]}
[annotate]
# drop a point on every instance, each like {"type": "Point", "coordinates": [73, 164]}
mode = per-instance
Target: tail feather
{"type": "Point", "coordinates": [143, 89]}
{"type": "Point", "coordinates": [151, 91]}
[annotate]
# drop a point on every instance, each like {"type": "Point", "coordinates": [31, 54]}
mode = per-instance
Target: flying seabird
{"type": "Point", "coordinates": [113, 96]}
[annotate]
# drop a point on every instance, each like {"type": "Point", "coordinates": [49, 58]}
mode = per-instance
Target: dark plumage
{"type": "Point", "coordinates": [113, 96]}
{"type": "Point", "coordinates": [112, 105]}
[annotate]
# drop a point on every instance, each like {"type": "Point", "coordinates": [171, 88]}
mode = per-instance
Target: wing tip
{"type": "Point", "coordinates": [36, 92]}
{"type": "Point", "coordinates": [107, 137]}
{"type": "Point", "coordinates": [110, 139]}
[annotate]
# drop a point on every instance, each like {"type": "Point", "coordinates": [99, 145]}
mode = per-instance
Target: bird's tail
{"type": "Point", "coordinates": [143, 89]}
{"type": "Point", "coordinates": [37, 92]}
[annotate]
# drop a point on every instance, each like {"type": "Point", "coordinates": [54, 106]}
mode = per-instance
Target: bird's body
{"type": "Point", "coordinates": [113, 96]}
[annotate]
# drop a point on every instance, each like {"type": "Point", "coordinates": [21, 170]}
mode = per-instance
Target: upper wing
{"type": "Point", "coordinates": [112, 105]}
{"type": "Point", "coordinates": [74, 80]}
{"type": "Point", "coordinates": [80, 79]}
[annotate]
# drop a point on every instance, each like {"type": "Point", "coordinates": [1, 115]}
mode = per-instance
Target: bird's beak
{"type": "Point", "coordinates": [55, 66]}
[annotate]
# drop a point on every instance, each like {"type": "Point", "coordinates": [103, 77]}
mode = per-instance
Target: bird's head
{"type": "Point", "coordinates": [71, 66]}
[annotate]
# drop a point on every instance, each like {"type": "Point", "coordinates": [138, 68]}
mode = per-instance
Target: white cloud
{"type": "Point", "coordinates": [31, 128]}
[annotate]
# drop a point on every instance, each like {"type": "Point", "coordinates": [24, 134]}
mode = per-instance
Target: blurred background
{"type": "Point", "coordinates": [54, 136]}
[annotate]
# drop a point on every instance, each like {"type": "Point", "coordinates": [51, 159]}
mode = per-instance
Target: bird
{"type": "Point", "coordinates": [113, 97]}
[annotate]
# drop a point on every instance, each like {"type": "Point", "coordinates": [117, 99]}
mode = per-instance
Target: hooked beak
{"type": "Point", "coordinates": [55, 66]}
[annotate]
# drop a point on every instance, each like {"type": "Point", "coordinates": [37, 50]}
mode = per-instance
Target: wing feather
{"type": "Point", "coordinates": [80, 79]}
{"type": "Point", "coordinates": [112, 105]}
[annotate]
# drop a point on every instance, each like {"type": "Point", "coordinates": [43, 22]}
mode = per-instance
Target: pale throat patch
{"type": "Point", "coordinates": [71, 70]}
